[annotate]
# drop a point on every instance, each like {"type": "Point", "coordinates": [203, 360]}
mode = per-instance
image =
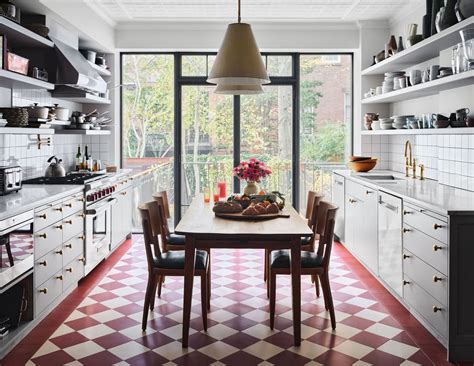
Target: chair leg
{"type": "Point", "coordinates": [9, 253]}
{"type": "Point", "coordinates": [316, 284]}
{"type": "Point", "coordinates": [208, 280]}
{"type": "Point", "coordinates": [328, 298]}
{"type": "Point", "coordinates": [151, 284]}
{"type": "Point", "coordinates": [153, 293]}
{"type": "Point", "coordinates": [272, 285]}
{"type": "Point", "coordinates": [160, 285]}
{"type": "Point", "coordinates": [204, 300]}
{"type": "Point", "coordinates": [265, 266]}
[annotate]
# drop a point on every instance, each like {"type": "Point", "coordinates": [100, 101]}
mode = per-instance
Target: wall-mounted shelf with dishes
{"type": "Point", "coordinates": [84, 97]}
{"type": "Point", "coordinates": [423, 131]}
{"type": "Point", "coordinates": [422, 51]}
{"type": "Point", "coordinates": [9, 79]}
{"type": "Point", "coordinates": [26, 131]}
{"type": "Point", "coordinates": [21, 36]}
{"type": "Point", "coordinates": [424, 89]}
{"type": "Point", "coordinates": [83, 132]}
{"type": "Point", "coordinates": [102, 71]}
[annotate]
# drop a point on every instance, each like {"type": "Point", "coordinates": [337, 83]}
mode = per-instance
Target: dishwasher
{"type": "Point", "coordinates": [390, 241]}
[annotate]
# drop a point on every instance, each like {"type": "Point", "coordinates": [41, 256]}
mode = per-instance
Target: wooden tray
{"type": "Point", "coordinates": [239, 216]}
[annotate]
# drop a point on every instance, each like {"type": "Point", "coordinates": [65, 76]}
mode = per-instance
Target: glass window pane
{"type": "Point", "coordinates": [266, 134]}
{"type": "Point", "coordinates": [148, 122]}
{"type": "Point", "coordinates": [207, 140]}
{"type": "Point", "coordinates": [325, 120]}
{"type": "Point", "coordinates": [193, 65]}
{"type": "Point", "coordinates": [279, 65]}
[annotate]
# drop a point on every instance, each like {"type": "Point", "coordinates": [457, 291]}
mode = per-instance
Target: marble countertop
{"type": "Point", "coordinates": [32, 196]}
{"type": "Point", "coordinates": [428, 193]}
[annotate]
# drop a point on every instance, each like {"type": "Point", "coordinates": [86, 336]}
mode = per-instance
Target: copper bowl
{"type": "Point", "coordinates": [362, 165]}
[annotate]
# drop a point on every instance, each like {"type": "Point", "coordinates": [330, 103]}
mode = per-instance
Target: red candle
{"type": "Point", "coordinates": [216, 197]}
{"type": "Point", "coordinates": [222, 190]}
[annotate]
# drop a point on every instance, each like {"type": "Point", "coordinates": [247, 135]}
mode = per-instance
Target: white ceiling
{"type": "Point", "coordinates": [252, 10]}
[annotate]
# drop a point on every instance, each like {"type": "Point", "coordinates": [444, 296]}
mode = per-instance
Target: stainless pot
{"type": "Point", "coordinates": [36, 111]}
{"type": "Point", "coordinates": [55, 169]}
{"type": "Point", "coordinates": [62, 114]}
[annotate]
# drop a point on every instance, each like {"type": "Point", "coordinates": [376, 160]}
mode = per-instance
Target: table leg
{"type": "Point", "coordinates": [189, 259]}
{"type": "Point", "coordinates": [296, 288]}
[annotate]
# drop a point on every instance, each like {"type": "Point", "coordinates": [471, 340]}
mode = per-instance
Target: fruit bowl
{"type": "Point", "coordinates": [362, 165]}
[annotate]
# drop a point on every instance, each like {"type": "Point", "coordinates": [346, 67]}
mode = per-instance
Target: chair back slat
{"type": "Point", "coordinates": [165, 230]}
{"type": "Point", "coordinates": [166, 204]}
{"type": "Point", "coordinates": [313, 200]}
{"type": "Point", "coordinates": [324, 212]}
{"type": "Point", "coordinates": [151, 216]}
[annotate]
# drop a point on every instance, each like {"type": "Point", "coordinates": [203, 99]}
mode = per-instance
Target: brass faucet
{"type": "Point", "coordinates": [409, 161]}
{"type": "Point", "coordinates": [422, 171]}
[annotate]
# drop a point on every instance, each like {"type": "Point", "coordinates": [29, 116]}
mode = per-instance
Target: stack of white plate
{"type": "Point", "coordinates": [386, 123]}
{"type": "Point", "coordinates": [388, 84]}
{"type": "Point", "coordinates": [376, 125]}
{"type": "Point", "coordinates": [400, 122]}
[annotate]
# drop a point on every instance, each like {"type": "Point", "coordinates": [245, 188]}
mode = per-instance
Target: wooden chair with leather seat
{"type": "Point", "coordinates": [167, 264]}
{"type": "Point", "coordinates": [312, 263]}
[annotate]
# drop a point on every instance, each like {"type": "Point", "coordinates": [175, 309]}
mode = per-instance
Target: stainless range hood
{"type": "Point", "coordinates": [74, 70]}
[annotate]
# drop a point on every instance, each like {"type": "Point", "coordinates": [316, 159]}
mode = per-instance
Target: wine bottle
{"type": "Point", "coordinates": [86, 158]}
{"type": "Point", "coordinates": [78, 158]}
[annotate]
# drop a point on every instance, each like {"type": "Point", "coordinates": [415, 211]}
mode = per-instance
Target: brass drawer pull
{"type": "Point", "coordinates": [351, 200]}
{"type": "Point", "coordinates": [68, 246]}
{"type": "Point", "coordinates": [43, 263]}
{"type": "Point", "coordinates": [60, 277]}
{"type": "Point", "coordinates": [405, 256]}
{"type": "Point", "coordinates": [60, 209]}
{"type": "Point", "coordinates": [83, 260]}
{"type": "Point", "coordinates": [437, 247]}
{"type": "Point", "coordinates": [437, 226]}
{"type": "Point", "coordinates": [42, 216]}
{"type": "Point", "coordinates": [406, 230]}
{"type": "Point", "coordinates": [44, 291]}
{"type": "Point", "coordinates": [68, 222]}
{"type": "Point", "coordinates": [69, 270]}
{"type": "Point", "coordinates": [407, 212]}
{"type": "Point", "coordinates": [81, 199]}
{"type": "Point", "coordinates": [82, 215]}
{"type": "Point", "coordinates": [60, 252]}
{"type": "Point", "coordinates": [436, 309]}
{"type": "Point", "coordinates": [68, 205]}
{"type": "Point", "coordinates": [123, 193]}
{"type": "Point", "coordinates": [436, 279]}
{"type": "Point", "coordinates": [44, 236]}
{"type": "Point", "coordinates": [82, 237]}
{"type": "Point", "coordinates": [59, 227]}
{"type": "Point", "coordinates": [369, 192]}
{"type": "Point", "coordinates": [406, 283]}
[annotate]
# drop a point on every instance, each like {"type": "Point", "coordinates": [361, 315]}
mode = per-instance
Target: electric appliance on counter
{"type": "Point", "coordinates": [55, 168]}
{"type": "Point", "coordinates": [390, 241]}
{"type": "Point", "coordinates": [10, 179]}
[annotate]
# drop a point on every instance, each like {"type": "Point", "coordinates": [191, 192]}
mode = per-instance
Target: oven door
{"type": "Point", "coordinates": [98, 232]}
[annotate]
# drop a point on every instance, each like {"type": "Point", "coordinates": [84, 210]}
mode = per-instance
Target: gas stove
{"type": "Point", "coordinates": [71, 178]}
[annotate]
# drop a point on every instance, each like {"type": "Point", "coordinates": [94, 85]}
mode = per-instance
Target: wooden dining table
{"type": "Point", "coordinates": [205, 231]}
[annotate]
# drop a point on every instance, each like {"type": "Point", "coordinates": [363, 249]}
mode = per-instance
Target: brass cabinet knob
{"type": "Point", "coordinates": [68, 205]}
{"type": "Point", "coordinates": [60, 277]}
{"type": "Point", "coordinates": [82, 215]}
{"type": "Point", "coordinates": [351, 200]}
{"type": "Point", "coordinates": [44, 290]}
{"type": "Point", "coordinates": [81, 199]}
{"type": "Point", "coordinates": [406, 230]}
{"type": "Point", "coordinates": [59, 227]}
{"type": "Point", "coordinates": [123, 193]}
{"type": "Point", "coordinates": [60, 209]}
{"type": "Point", "coordinates": [42, 216]}
{"type": "Point", "coordinates": [60, 252]}
{"type": "Point", "coordinates": [43, 263]}
{"type": "Point", "coordinates": [437, 247]}
{"type": "Point", "coordinates": [406, 283]}
{"type": "Point", "coordinates": [83, 260]}
{"type": "Point", "coordinates": [436, 279]}
{"type": "Point", "coordinates": [82, 237]}
{"type": "Point", "coordinates": [68, 222]}
{"type": "Point", "coordinates": [437, 226]}
{"type": "Point", "coordinates": [405, 256]}
{"type": "Point", "coordinates": [407, 212]}
{"type": "Point", "coordinates": [69, 270]}
{"type": "Point", "coordinates": [69, 246]}
{"type": "Point", "coordinates": [368, 192]}
{"type": "Point", "coordinates": [44, 236]}
{"type": "Point", "coordinates": [436, 309]}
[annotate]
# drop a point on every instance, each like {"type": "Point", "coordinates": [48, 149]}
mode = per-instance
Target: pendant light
{"type": "Point", "coordinates": [239, 89]}
{"type": "Point", "coordinates": [238, 62]}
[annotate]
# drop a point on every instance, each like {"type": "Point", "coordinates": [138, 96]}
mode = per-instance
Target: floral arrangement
{"type": "Point", "coordinates": [253, 170]}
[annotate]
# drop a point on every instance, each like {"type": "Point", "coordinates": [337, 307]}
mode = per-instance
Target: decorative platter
{"type": "Point", "coordinates": [239, 216]}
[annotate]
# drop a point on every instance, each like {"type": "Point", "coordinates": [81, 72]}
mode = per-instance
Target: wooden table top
{"type": "Point", "coordinates": [199, 219]}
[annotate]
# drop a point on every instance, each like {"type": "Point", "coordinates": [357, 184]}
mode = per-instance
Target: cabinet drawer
{"type": "Point", "coordinates": [73, 272]}
{"type": "Point", "coordinates": [430, 309]}
{"type": "Point", "coordinates": [426, 221]}
{"type": "Point", "coordinates": [48, 216]}
{"type": "Point", "coordinates": [73, 225]}
{"type": "Point", "coordinates": [432, 281]}
{"type": "Point", "coordinates": [74, 204]}
{"type": "Point", "coordinates": [359, 191]}
{"type": "Point", "coordinates": [48, 265]}
{"type": "Point", "coordinates": [46, 293]}
{"type": "Point", "coordinates": [73, 247]}
{"type": "Point", "coordinates": [45, 240]}
{"type": "Point", "coordinates": [432, 251]}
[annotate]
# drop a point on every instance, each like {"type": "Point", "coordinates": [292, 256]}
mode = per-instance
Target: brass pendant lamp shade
{"type": "Point", "coordinates": [239, 89]}
{"type": "Point", "coordinates": [238, 61]}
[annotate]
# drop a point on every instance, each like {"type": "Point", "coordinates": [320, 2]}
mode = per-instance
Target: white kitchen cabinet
{"type": "Point", "coordinates": [121, 217]}
{"type": "Point", "coordinates": [338, 197]}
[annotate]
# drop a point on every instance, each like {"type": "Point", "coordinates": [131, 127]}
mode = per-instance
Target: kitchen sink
{"type": "Point", "coordinates": [382, 178]}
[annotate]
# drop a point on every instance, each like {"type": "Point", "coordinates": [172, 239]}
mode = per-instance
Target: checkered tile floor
{"type": "Point", "coordinates": [105, 328]}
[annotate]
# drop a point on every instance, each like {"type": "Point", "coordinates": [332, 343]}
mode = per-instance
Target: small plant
{"type": "Point", "coordinates": [253, 170]}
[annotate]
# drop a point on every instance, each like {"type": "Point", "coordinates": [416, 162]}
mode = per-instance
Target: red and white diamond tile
{"type": "Point", "coordinates": [104, 327]}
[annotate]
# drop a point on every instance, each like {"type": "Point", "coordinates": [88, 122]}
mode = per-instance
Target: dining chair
{"type": "Point", "coordinates": [312, 263]}
{"type": "Point", "coordinates": [5, 241]}
{"type": "Point", "coordinates": [167, 264]}
{"type": "Point", "coordinates": [169, 240]}
{"type": "Point", "coordinates": [307, 243]}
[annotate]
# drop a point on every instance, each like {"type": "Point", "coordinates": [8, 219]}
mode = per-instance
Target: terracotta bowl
{"type": "Point", "coordinates": [362, 165]}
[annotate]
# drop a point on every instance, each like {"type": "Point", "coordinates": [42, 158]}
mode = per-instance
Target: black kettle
{"type": "Point", "coordinates": [55, 169]}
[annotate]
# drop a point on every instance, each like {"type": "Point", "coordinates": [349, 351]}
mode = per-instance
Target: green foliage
{"type": "Point", "coordinates": [326, 144]}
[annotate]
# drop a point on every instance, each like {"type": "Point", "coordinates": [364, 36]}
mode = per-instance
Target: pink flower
{"type": "Point", "coordinates": [252, 170]}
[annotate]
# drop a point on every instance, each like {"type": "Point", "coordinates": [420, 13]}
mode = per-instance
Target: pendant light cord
{"type": "Point", "coordinates": [238, 17]}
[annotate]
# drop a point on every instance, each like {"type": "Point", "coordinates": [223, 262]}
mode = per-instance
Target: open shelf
{"type": "Point", "coordinates": [20, 36]}
{"type": "Point", "coordinates": [422, 51]}
{"type": "Point", "coordinates": [424, 89]}
{"type": "Point", "coordinates": [14, 80]}
{"type": "Point", "coordinates": [26, 131]}
{"type": "Point", "coordinates": [83, 132]}
{"type": "Point", "coordinates": [424, 131]}
{"type": "Point", "coordinates": [100, 70]}
{"type": "Point", "coordinates": [85, 98]}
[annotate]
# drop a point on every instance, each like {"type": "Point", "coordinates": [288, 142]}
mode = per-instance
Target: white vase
{"type": "Point", "coordinates": [251, 188]}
